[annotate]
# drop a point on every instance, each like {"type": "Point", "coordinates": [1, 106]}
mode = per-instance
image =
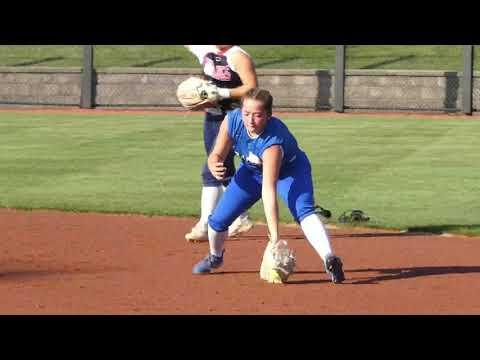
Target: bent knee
{"type": "Point", "coordinates": [303, 213]}
{"type": "Point", "coordinates": [218, 224]}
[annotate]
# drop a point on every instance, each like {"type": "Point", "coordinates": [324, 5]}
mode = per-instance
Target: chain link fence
{"type": "Point", "coordinates": [40, 74]}
{"type": "Point", "coordinates": [148, 75]}
{"type": "Point", "coordinates": [405, 77]}
{"type": "Point", "coordinates": [302, 77]}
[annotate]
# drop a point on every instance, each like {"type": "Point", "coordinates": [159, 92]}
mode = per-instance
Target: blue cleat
{"type": "Point", "coordinates": [207, 265]}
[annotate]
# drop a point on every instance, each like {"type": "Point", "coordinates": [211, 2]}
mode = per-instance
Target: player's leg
{"type": "Point", "coordinates": [212, 188]}
{"type": "Point", "coordinates": [242, 223]}
{"type": "Point", "coordinates": [296, 190]}
{"type": "Point", "coordinates": [241, 194]}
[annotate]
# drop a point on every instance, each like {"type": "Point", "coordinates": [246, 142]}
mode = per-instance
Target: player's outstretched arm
{"type": "Point", "coordinates": [272, 158]}
{"type": "Point", "coordinates": [222, 147]}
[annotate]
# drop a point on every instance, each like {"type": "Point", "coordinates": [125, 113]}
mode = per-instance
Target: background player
{"type": "Point", "coordinates": [271, 162]}
{"type": "Point", "coordinates": [232, 70]}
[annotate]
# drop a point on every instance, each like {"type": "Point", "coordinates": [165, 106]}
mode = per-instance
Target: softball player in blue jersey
{"type": "Point", "coordinates": [272, 163]}
{"type": "Point", "coordinates": [232, 70]}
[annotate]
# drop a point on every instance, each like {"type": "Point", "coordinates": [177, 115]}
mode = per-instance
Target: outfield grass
{"type": "Point", "coordinates": [405, 173]}
{"type": "Point", "coordinates": [418, 57]}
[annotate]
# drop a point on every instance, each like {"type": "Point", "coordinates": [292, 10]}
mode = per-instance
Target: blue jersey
{"type": "Point", "coordinates": [250, 150]}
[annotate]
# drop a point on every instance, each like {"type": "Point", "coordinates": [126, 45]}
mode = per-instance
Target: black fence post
{"type": "Point", "coordinates": [86, 98]}
{"type": "Point", "coordinates": [340, 78]}
{"type": "Point", "coordinates": [467, 79]}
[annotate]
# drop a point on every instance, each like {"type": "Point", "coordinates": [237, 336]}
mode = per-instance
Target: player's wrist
{"type": "Point", "coordinates": [224, 93]}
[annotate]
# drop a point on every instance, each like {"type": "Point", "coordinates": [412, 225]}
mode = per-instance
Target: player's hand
{"type": "Point", "coordinates": [218, 170]}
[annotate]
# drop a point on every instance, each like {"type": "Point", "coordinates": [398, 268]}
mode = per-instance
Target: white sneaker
{"type": "Point", "coordinates": [240, 225]}
{"type": "Point", "coordinates": [198, 233]}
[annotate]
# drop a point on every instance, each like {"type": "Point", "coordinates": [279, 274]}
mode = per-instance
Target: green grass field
{"type": "Point", "coordinates": [404, 172]}
{"type": "Point", "coordinates": [418, 57]}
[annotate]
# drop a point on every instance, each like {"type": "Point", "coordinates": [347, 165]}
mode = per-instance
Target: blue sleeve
{"type": "Point", "coordinates": [272, 140]}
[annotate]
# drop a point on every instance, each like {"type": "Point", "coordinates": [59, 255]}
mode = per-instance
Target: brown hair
{"type": "Point", "coordinates": [261, 95]}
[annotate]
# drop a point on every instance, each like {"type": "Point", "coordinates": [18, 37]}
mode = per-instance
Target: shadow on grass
{"type": "Point", "coordinates": [260, 64]}
{"type": "Point", "coordinates": [440, 229]}
{"type": "Point", "coordinates": [407, 273]}
{"type": "Point", "coordinates": [389, 62]}
{"type": "Point", "coordinates": [40, 61]}
{"type": "Point", "coordinates": [156, 62]}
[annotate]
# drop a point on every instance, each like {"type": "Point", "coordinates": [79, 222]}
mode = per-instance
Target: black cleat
{"type": "Point", "coordinates": [333, 266]}
{"type": "Point", "coordinates": [324, 213]}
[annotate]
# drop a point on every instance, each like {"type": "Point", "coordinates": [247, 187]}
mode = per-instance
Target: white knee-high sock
{"type": "Point", "coordinates": [315, 232]}
{"type": "Point", "coordinates": [210, 198]}
{"type": "Point", "coordinates": [216, 240]}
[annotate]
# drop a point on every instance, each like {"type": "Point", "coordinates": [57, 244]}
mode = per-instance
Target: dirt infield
{"type": "Point", "coordinates": [66, 263]}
